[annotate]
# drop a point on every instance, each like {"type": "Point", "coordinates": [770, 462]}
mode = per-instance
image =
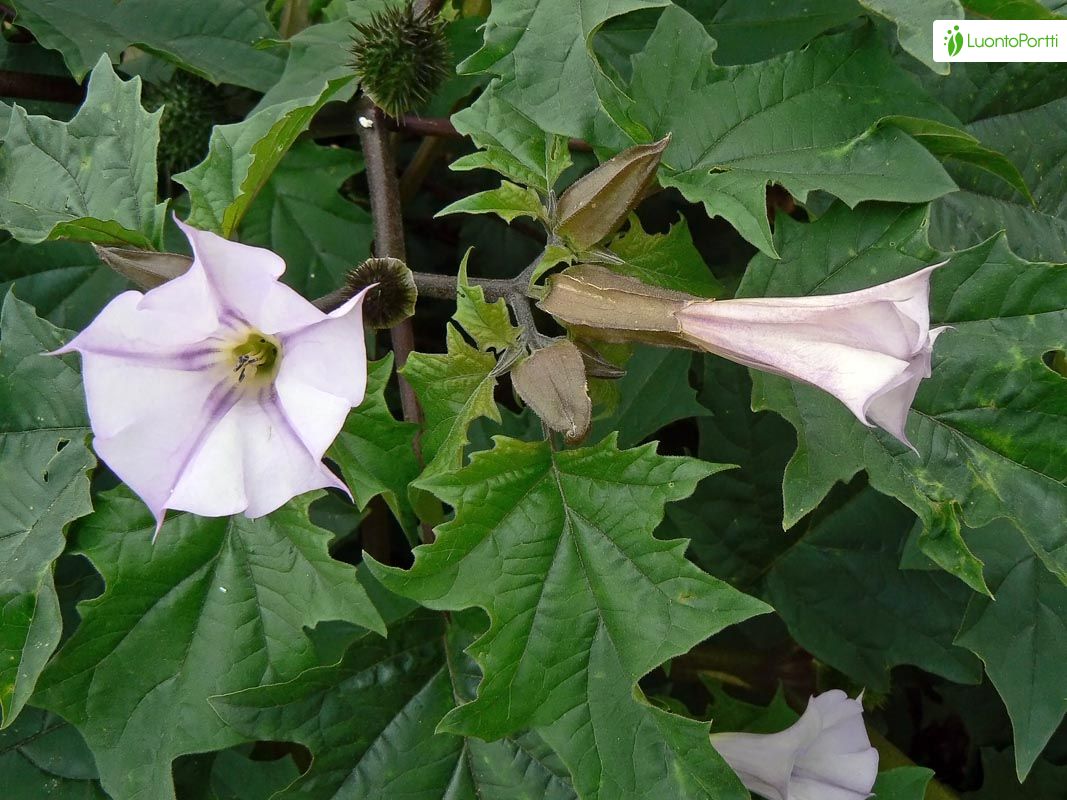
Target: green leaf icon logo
{"type": "Point", "coordinates": [954, 40]}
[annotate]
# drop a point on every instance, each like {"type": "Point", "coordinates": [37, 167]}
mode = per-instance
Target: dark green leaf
{"type": "Point", "coordinates": [44, 472]}
{"type": "Point", "coordinates": [949, 143]}
{"type": "Point", "coordinates": [385, 699]}
{"type": "Point", "coordinates": [557, 546]}
{"type": "Point", "coordinates": [1033, 141]}
{"type": "Point", "coordinates": [300, 215]}
{"type": "Point", "coordinates": [845, 599]}
{"type": "Point", "coordinates": [64, 281]}
{"type": "Point", "coordinates": [212, 606]}
{"type": "Point", "coordinates": [215, 40]}
{"type": "Point", "coordinates": [1046, 782]}
{"type": "Point", "coordinates": [735, 517]}
{"type": "Point", "coordinates": [654, 392]}
{"type": "Point", "coordinates": [375, 451]}
{"type": "Point", "coordinates": [914, 21]}
{"type": "Point", "coordinates": [805, 120]}
{"type": "Point", "coordinates": [1021, 637]}
{"type": "Point", "coordinates": [666, 259]}
{"type": "Point", "coordinates": [990, 425]}
{"type": "Point", "coordinates": [41, 756]}
{"type": "Point", "coordinates": [93, 178]}
{"type": "Point", "coordinates": [236, 777]}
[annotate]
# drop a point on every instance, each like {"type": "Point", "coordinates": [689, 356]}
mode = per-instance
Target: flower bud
{"type": "Point", "coordinates": [146, 269]}
{"type": "Point", "coordinates": [552, 382]}
{"type": "Point", "coordinates": [393, 297]}
{"type": "Point", "coordinates": [602, 304]}
{"type": "Point", "coordinates": [597, 204]}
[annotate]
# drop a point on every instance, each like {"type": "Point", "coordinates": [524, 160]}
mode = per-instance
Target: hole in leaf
{"type": "Point", "coordinates": [61, 444]}
{"type": "Point", "coordinates": [1056, 360]}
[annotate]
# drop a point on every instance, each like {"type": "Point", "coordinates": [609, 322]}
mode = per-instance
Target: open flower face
{"type": "Point", "coordinates": [825, 755]}
{"type": "Point", "coordinates": [220, 391]}
{"type": "Point", "coordinates": [870, 349]}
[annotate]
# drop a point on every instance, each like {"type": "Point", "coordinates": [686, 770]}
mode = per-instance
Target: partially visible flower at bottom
{"type": "Point", "coordinates": [220, 391]}
{"type": "Point", "coordinates": [825, 755]}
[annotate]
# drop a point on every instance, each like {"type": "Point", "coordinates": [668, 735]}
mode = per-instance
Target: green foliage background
{"type": "Point", "coordinates": [722, 545]}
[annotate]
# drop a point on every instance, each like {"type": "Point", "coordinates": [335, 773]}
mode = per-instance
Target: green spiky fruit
{"type": "Point", "coordinates": [400, 58]}
{"type": "Point", "coordinates": [393, 297]}
{"type": "Point", "coordinates": [191, 107]}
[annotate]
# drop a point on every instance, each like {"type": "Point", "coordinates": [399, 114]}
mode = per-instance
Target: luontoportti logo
{"type": "Point", "coordinates": [954, 40]}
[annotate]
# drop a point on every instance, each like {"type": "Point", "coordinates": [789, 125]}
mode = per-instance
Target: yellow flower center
{"type": "Point", "coordinates": [256, 359]}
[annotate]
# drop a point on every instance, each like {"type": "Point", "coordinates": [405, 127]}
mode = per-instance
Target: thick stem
{"type": "Point", "coordinates": [384, 189]}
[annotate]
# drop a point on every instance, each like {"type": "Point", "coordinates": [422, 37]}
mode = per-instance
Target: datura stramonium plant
{"type": "Point", "coordinates": [869, 348]}
{"type": "Point", "coordinates": [825, 755]}
{"type": "Point", "coordinates": [220, 391]}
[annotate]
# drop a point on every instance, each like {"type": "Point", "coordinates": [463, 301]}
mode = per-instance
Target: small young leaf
{"type": "Point", "coordinates": [511, 143]}
{"type": "Point", "coordinates": [454, 390]}
{"type": "Point", "coordinates": [507, 202]}
{"type": "Point", "coordinates": [489, 324]}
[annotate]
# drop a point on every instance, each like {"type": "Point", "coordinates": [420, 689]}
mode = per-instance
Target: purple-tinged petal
{"type": "Point", "coordinates": [252, 460]}
{"type": "Point", "coordinates": [244, 281]}
{"type": "Point", "coordinates": [870, 349]}
{"type": "Point", "coordinates": [149, 422]}
{"type": "Point", "coordinates": [825, 755]}
{"type": "Point", "coordinates": [323, 374]}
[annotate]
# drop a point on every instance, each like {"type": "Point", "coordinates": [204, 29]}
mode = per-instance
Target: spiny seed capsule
{"type": "Point", "coordinates": [191, 107]}
{"type": "Point", "coordinates": [393, 297]}
{"type": "Point", "coordinates": [400, 58]}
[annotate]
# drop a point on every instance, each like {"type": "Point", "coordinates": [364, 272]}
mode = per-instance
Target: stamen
{"type": "Point", "coordinates": [255, 353]}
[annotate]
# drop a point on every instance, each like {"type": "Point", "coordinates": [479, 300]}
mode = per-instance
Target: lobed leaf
{"type": "Point", "coordinates": [91, 179]}
{"type": "Point", "coordinates": [44, 471]}
{"type": "Point", "coordinates": [214, 40]}
{"type": "Point", "coordinates": [557, 547]}
{"type": "Point", "coordinates": [212, 606]}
